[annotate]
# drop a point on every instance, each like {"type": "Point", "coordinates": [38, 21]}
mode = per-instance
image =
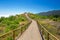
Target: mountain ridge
{"type": "Point", "coordinates": [53, 12]}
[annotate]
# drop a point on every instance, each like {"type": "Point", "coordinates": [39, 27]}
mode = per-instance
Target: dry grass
{"type": "Point", "coordinates": [50, 26]}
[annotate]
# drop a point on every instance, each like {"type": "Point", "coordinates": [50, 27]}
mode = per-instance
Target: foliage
{"type": "Point", "coordinates": [11, 22]}
{"type": "Point", "coordinates": [51, 17]}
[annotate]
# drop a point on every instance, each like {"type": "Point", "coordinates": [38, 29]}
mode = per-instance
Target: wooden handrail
{"type": "Point", "coordinates": [13, 31]}
{"type": "Point", "coordinates": [5, 34]}
{"type": "Point", "coordinates": [10, 31]}
{"type": "Point", "coordinates": [47, 31]}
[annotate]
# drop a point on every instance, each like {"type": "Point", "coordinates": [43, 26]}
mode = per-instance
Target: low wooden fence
{"type": "Point", "coordinates": [14, 34]}
{"type": "Point", "coordinates": [46, 35]}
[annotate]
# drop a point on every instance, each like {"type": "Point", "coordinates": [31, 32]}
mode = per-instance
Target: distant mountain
{"type": "Point", "coordinates": [54, 12]}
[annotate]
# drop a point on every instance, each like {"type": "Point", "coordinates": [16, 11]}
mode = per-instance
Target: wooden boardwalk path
{"type": "Point", "coordinates": [32, 33]}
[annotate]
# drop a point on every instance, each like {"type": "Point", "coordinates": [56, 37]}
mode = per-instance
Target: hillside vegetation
{"type": "Point", "coordinates": [12, 22]}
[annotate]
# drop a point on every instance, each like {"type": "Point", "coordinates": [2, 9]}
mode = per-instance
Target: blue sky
{"type": "Point", "coordinates": [12, 7]}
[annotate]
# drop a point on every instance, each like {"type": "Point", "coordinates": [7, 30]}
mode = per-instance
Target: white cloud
{"type": "Point", "coordinates": [7, 15]}
{"type": "Point", "coordinates": [4, 15]}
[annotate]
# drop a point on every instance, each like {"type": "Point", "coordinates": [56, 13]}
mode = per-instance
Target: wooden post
{"type": "Point", "coordinates": [21, 30]}
{"type": "Point", "coordinates": [13, 35]}
{"type": "Point", "coordinates": [47, 36]}
{"type": "Point", "coordinates": [25, 27]}
{"type": "Point", "coordinates": [42, 31]}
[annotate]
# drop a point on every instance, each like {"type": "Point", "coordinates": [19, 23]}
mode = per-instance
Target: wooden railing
{"type": "Point", "coordinates": [45, 34]}
{"type": "Point", "coordinates": [14, 34]}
